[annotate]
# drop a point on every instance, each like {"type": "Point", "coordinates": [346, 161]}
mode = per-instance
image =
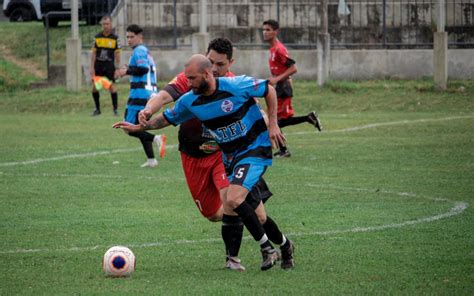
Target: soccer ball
{"type": "Point", "coordinates": [118, 261]}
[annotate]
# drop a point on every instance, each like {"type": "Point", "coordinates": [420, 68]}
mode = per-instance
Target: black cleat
{"type": "Point", "coordinates": [281, 154]}
{"type": "Point", "coordinates": [96, 112]}
{"type": "Point", "coordinates": [314, 120]}
{"type": "Point", "coordinates": [116, 112]}
{"type": "Point", "coordinates": [270, 257]}
{"type": "Point", "coordinates": [287, 261]}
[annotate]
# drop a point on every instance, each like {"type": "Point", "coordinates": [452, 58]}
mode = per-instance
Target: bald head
{"type": "Point", "coordinates": [198, 71]}
{"type": "Point", "coordinates": [199, 62]}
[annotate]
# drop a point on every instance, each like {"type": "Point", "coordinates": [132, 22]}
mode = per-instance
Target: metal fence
{"type": "Point", "coordinates": [360, 24]}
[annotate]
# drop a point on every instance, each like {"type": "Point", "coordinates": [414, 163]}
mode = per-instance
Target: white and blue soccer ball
{"type": "Point", "coordinates": [118, 261]}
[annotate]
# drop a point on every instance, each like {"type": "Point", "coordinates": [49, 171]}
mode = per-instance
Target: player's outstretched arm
{"type": "Point", "coordinates": [158, 122]}
{"type": "Point", "coordinates": [276, 137]}
{"type": "Point", "coordinates": [154, 104]}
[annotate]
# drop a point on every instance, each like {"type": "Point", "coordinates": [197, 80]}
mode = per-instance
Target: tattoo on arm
{"type": "Point", "coordinates": [157, 123]}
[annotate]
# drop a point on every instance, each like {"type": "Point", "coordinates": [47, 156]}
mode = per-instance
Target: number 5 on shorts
{"type": "Point", "coordinates": [240, 173]}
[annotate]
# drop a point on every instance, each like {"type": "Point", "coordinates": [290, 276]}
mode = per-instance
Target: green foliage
{"type": "Point", "coordinates": [14, 78]}
{"type": "Point", "coordinates": [28, 41]}
{"type": "Point", "coordinates": [368, 208]}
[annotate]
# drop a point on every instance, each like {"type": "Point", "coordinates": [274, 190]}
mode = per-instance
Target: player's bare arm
{"type": "Point", "coordinates": [158, 122]}
{"type": "Point", "coordinates": [285, 75]}
{"type": "Point", "coordinates": [92, 66]}
{"type": "Point", "coordinates": [274, 131]}
{"type": "Point", "coordinates": [154, 104]}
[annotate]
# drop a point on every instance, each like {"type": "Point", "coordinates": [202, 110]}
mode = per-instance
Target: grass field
{"type": "Point", "coordinates": [378, 203]}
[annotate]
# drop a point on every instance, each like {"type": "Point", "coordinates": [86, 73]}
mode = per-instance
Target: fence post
{"type": "Point", "coordinates": [384, 19]}
{"type": "Point", "coordinates": [440, 49]}
{"type": "Point", "coordinates": [73, 52]}
{"type": "Point", "coordinates": [323, 44]}
{"type": "Point", "coordinates": [200, 40]}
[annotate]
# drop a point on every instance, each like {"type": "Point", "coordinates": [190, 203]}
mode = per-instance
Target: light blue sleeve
{"type": "Point", "coordinates": [140, 57]}
{"type": "Point", "coordinates": [179, 113]}
{"type": "Point", "coordinates": [252, 87]}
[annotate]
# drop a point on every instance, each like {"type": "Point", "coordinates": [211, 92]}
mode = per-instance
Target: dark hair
{"type": "Point", "coordinates": [222, 46]}
{"type": "Point", "coordinates": [136, 29]}
{"type": "Point", "coordinates": [272, 23]}
{"type": "Point", "coordinates": [106, 17]}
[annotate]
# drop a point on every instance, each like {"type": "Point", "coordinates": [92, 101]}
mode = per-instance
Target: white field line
{"type": "Point", "coordinates": [351, 129]}
{"type": "Point", "coordinates": [82, 155]}
{"type": "Point", "coordinates": [457, 209]}
{"type": "Point", "coordinates": [379, 124]}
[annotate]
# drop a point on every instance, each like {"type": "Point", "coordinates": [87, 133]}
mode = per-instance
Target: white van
{"type": "Point", "coordinates": [22, 10]}
{"type": "Point", "coordinates": [90, 11]}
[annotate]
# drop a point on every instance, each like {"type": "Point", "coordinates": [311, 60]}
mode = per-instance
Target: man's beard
{"type": "Point", "coordinates": [203, 87]}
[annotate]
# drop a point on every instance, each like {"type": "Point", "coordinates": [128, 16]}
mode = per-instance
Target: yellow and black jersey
{"type": "Point", "coordinates": [105, 47]}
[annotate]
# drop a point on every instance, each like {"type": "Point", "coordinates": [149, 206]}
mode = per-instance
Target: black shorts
{"type": "Point", "coordinates": [105, 69]}
{"type": "Point", "coordinates": [259, 193]}
{"type": "Point", "coordinates": [284, 89]}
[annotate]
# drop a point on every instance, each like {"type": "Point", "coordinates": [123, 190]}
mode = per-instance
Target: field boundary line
{"type": "Point", "coordinates": [350, 129]}
{"type": "Point", "coordinates": [77, 155]}
{"type": "Point", "coordinates": [458, 208]}
{"type": "Point", "coordinates": [389, 123]}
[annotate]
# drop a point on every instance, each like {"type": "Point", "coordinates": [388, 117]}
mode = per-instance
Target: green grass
{"type": "Point", "coordinates": [13, 79]}
{"type": "Point", "coordinates": [363, 206]}
{"type": "Point", "coordinates": [28, 41]}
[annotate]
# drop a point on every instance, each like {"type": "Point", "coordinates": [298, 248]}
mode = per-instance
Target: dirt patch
{"type": "Point", "coordinates": [24, 64]}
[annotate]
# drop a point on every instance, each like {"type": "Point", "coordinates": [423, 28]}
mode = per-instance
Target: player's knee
{"type": "Point", "coordinates": [214, 218]}
{"type": "Point", "coordinates": [262, 218]}
{"type": "Point", "coordinates": [233, 202]}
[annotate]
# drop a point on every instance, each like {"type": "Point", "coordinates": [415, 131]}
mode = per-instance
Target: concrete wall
{"type": "Point", "coordinates": [345, 64]}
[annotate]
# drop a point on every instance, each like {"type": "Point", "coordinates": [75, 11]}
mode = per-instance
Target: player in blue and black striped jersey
{"type": "Point", "coordinates": [226, 107]}
{"type": "Point", "coordinates": [142, 71]}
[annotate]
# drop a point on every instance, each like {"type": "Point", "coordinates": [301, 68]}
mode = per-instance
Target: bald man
{"type": "Point", "coordinates": [227, 108]}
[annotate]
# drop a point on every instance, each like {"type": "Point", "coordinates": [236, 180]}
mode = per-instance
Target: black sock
{"type": "Point", "coordinates": [273, 232]}
{"type": "Point", "coordinates": [96, 96]}
{"type": "Point", "coordinates": [292, 121]}
{"type": "Point", "coordinates": [148, 147]}
{"type": "Point", "coordinates": [251, 222]}
{"type": "Point", "coordinates": [147, 142]}
{"type": "Point", "coordinates": [232, 231]}
{"type": "Point", "coordinates": [114, 100]}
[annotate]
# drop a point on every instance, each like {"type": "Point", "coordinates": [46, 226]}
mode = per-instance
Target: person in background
{"type": "Point", "coordinates": [142, 71]}
{"type": "Point", "coordinates": [104, 58]}
{"type": "Point", "coordinates": [281, 69]}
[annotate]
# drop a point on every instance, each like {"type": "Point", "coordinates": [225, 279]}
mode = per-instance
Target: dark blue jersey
{"type": "Point", "coordinates": [232, 117]}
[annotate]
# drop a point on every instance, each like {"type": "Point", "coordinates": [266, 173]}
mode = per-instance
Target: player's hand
{"type": "Point", "coordinates": [273, 81]}
{"type": "Point", "coordinates": [276, 136]}
{"type": "Point", "coordinates": [128, 127]}
{"type": "Point", "coordinates": [120, 72]}
{"type": "Point", "coordinates": [143, 116]}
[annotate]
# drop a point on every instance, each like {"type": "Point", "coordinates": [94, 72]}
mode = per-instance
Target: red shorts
{"type": "Point", "coordinates": [285, 109]}
{"type": "Point", "coordinates": [205, 177]}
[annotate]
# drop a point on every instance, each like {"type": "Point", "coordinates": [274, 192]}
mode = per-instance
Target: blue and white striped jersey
{"type": "Point", "coordinates": [141, 86]}
{"type": "Point", "coordinates": [233, 118]}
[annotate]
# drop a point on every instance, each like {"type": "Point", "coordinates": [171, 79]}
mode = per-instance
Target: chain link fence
{"type": "Point", "coordinates": [358, 24]}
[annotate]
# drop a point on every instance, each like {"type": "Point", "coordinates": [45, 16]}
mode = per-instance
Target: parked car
{"type": "Point", "coordinates": [22, 10]}
{"type": "Point", "coordinates": [53, 11]}
{"type": "Point", "coordinates": [90, 11]}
